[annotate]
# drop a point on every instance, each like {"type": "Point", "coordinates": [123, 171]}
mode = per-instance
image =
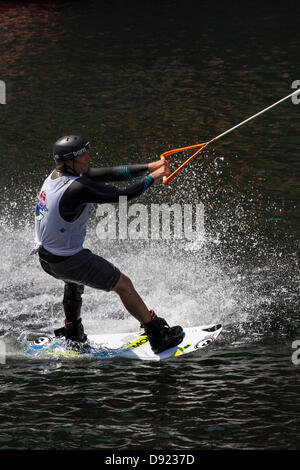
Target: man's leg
{"type": "Point", "coordinates": [72, 303]}
{"type": "Point", "coordinates": [160, 335]}
{"type": "Point", "coordinates": [94, 271]}
{"type": "Point", "coordinates": [131, 300]}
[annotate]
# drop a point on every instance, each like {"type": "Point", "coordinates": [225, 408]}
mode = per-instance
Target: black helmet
{"type": "Point", "coordinates": [69, 147]}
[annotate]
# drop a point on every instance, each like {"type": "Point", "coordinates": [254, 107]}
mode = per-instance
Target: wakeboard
{"type": "Point", "coordinates": [127, 345]}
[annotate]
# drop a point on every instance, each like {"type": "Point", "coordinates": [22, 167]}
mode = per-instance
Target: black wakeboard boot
{"type": "Point", "coordinates": [161, 336]}
{"type": "Point", "coordinates": [72, 331]}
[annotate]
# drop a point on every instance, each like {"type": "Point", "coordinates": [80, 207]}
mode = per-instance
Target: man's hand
{"type": "Point", "coordinates": [159, 169]}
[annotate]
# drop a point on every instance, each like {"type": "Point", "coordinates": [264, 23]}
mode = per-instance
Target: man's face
{"type": "Point", "coordinates": [81, 163]}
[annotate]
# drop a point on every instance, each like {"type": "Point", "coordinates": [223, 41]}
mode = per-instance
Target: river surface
{"type": "Point", "coordinates": [137, 81]}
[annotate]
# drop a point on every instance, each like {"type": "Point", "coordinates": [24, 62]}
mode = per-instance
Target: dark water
{"type": "Point", "coordinates": [137, 81]}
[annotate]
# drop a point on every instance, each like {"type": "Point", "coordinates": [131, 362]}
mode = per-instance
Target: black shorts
{"type": "Point", "coordinates": [84, 268]}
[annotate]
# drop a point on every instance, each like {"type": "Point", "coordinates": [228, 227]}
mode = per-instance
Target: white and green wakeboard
{"type": "Point", "coordinates": [127, 345]}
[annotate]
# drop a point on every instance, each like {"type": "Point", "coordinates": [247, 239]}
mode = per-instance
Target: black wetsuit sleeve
{"type": "Point", "coordinates": [85, 190]}
{"type": "Point", "coordinates": [117, 173]}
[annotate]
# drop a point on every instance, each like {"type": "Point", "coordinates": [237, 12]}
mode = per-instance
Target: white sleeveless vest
{"type": "Point", "coordinates": [51, 230]}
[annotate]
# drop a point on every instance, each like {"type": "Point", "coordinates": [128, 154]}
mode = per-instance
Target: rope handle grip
{"type": "Point", "coordinates": [200, 147]}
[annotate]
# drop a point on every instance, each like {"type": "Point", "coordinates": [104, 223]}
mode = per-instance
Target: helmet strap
{"type": "Point", "coordinates": [73, 169]}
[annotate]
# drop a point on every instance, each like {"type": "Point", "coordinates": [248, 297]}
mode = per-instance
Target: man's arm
{"type": "Point", "coordinates": [117, 173]}
{"type": "Point", "coordinates": [105, 193]}
{"type": "Point", "coordinates": [84, 190]}
{"type": "Point", "coordinates": [123, 172]}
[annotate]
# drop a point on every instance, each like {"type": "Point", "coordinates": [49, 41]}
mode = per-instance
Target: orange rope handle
{"type": "Point", "coordinates": [182, 149]}
{"type": "Point", "coordinates": [167, 180]}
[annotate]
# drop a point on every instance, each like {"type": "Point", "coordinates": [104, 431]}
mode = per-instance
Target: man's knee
{"type": "Point", "coordinates": [73, 292]}
{"type": "Point", "coordinates": [124, 284]}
